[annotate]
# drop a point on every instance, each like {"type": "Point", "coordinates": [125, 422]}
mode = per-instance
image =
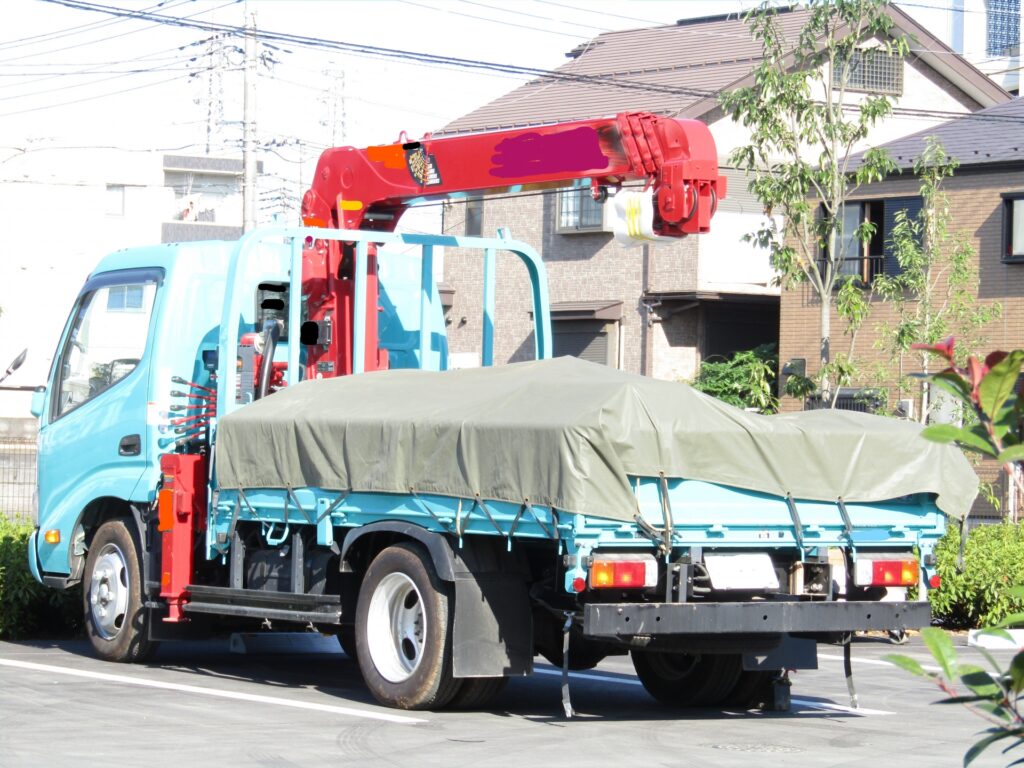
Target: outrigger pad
{"type": "Point", "coordinates": [569, 434]}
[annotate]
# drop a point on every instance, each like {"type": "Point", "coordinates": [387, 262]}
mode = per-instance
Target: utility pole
{"type": "Point", "coordinates": [249, 128]}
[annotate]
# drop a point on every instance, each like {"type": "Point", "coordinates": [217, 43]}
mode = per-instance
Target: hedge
{"type": "Point", "coordinates": [27, 608]}
{"type": "Point", "coordinates": [993, 562]}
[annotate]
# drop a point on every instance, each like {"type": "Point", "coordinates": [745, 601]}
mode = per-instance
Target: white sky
{"type": "Point", "coordinates": [62, 81]}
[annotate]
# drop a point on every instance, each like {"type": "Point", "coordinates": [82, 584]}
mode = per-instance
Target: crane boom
{"type": "Point", "coordinates": [370, 188]}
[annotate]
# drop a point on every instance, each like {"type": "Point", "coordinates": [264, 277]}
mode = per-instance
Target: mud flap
{"type": "Point", "coordinates": [493, 632]}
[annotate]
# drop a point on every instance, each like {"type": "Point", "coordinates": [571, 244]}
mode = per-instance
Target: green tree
{"type": "Point", "coordinates": [805, 126]}
{"type": "Point", "coordinates": [935, 295]}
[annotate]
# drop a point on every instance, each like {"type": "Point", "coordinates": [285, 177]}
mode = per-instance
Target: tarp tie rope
{"type": "Point", "coordinates": [848, 671]}
{"type": "Point", "coordinates": [847, 523]}
{"type": "Point", "coordinates": [566, 701]}
{"type": "Point", "coordinates": [666, 515]}
{"type": "Point", "coordinates": [798, 529]}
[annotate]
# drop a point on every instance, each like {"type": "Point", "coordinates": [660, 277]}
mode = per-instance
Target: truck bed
{"type": "Point", "coordinates": [569, 435]}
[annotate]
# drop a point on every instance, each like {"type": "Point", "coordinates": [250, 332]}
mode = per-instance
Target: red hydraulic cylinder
{"type": "Point", "coordinates": [182, 517]}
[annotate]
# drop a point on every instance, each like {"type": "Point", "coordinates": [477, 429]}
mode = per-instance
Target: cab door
{"type": "Point", "coordinates": [92, 434]}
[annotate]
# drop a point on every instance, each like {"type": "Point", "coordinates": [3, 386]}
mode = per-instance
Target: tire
{"type": "Point", "coordinates": [584, 654]}
{"type": "Point", "coordinates": [115, 622]}
{"type": "Point", "coordinates": [685, 680]}
{"type": "Point", "coordinates": [477, 692]}
{"type": "Point", "coordinates": [404, 630]}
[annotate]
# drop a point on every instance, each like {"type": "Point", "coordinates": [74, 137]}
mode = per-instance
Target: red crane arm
{"type": "Point", "coordinates": [371, 188]}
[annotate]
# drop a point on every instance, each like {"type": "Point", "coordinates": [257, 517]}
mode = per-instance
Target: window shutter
{"type": "Point", "coordinates": [912, 205]}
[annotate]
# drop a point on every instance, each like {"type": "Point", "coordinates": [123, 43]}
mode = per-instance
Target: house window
{"type": "Point", "coordinates": [873, 70]}
{"type": "Point", "coordinates": [474, 217]}
{"type": "Point", "coordinates": [125, 298]}
{"type": "Point", "coordinates": [1002, 27]}
{"type": "Point", "coordinates": [1013, 226]}
{"type": "Point", "coordinates": [115, 199]}
{"type": "Point", "coordinates": [866, 260]}
{"type": "Point", "coordinates": [578, 211]}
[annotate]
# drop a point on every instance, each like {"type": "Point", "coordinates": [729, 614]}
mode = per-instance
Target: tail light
{"type": "Point", "coordinates": [623, 571]}
{"type": "Point", "coordinates": [871, 572]}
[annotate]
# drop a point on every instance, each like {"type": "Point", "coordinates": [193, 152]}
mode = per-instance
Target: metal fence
{"type": "Point", "coordinates": [18, 467]}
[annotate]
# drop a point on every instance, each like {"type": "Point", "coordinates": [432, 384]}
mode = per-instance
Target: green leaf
{"type": "Point", "coordinates": [1017, 673]}
{"type": "Point", "coordinates": [997, 632]}
{"type": "Point", "coordinates": [941, 648]}
{"type": "Point", "coordinates": [1012, 620]}
{"type": "Point", "coordinates": [980, 681]}
{"type": "Point", "coordinates": [947, 433]}
{"type": "Point", "coordinates": [994, 735]}
{"type": "Point", "coordinates": [1012, 454]}
{"type": "Point", "coordinates": [998, 384]}
{"type": "Point", "coordinates": [907, 663]}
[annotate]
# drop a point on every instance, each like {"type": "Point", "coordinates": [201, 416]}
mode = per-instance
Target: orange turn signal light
{"type": "Point", "coordinates": [52, 536]}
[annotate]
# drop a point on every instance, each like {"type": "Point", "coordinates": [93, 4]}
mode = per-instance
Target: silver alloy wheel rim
{"type": "Point", "coordinates": [108, 592]}
{"type": "Point", "coordinates": [396, 626]}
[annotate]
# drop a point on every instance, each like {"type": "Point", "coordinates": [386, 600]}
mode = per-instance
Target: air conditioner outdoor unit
{"type": "Point", "coordinates": [905, 408]}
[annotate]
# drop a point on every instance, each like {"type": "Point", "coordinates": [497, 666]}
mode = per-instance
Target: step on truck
{"type": "Point", "coordinates": [264, 435]}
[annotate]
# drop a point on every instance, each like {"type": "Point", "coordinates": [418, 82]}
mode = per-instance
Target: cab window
{"type": "Point", "coordinates": [106, 342]}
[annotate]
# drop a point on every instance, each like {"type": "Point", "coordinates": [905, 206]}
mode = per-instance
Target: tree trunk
{"type": "Point", "coordinates": [826, 331]}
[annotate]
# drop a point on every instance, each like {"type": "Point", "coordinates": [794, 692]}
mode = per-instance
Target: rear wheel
{"type": "Point", "coordinates": [403, 630]}
{"type": "Point", "coordinates": [477, 692]}
{"type": "Point", "coordinates": [115, 621]}
{"type": "Point", "coordinates": [686, 680]}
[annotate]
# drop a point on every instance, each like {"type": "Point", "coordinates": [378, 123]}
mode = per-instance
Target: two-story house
{"type": "Point", "coordinates": [660, 309]}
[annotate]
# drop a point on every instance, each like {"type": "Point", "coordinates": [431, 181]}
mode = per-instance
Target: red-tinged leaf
{"type": "Point", "coordinates": [994, 357]}
{"type": "Point", "coordinates": [943, 348]}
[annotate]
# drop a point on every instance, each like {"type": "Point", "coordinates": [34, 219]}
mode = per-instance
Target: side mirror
{"type": "Point", "coordinates": [38, 401]}
{"type": "Point", "coordinates": [17, 361]}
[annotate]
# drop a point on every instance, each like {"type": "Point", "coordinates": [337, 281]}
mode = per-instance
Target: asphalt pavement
{"type": "Point", "coordinates": [299, 701]}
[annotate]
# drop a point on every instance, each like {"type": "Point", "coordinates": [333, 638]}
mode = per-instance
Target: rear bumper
{"type": "Point", "coordinates": [661, 619]}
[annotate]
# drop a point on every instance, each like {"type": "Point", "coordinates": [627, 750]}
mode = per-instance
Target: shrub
{"type": "Point", "coordinates": [27, 608]}
{"type": "Point", "coordinates": [979, 596]}
{"type": "Point", "coordinates": [746, 380]}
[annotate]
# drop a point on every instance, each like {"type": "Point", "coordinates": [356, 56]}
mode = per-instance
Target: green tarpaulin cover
{"type": "Point", "coordinates": [568, 434]}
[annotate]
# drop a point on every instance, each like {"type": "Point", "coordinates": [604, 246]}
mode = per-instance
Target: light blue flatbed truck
{"type": "Point", "coordinates": [264, 435]}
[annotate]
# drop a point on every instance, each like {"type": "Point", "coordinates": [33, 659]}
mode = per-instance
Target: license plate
{"type": "Point", "coordinates": [743, 571]}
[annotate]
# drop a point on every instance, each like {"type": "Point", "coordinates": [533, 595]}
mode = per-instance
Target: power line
{"type": "Point", "coordinates": [89, 98]}
{"type": "Point", "coordinates": [62, 49]}
{"type": "Point", "coordinates": [498, 21]}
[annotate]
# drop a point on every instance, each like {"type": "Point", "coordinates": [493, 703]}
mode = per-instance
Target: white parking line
{"type": "Point", "coordinates": [825, 705]}
{"type": "Point", "coordinates": [202, 691]}
{"type": "Point", "coordinates": [877, 662]}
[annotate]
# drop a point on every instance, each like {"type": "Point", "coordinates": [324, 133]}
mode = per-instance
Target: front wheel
{"type": "Point", "coordinates": [115, 621]}
{"type": "Point", "coordinates": [403, 630]}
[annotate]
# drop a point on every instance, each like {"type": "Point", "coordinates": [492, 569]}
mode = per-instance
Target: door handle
{"type": "Point", "coordinates": [130, 445]}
